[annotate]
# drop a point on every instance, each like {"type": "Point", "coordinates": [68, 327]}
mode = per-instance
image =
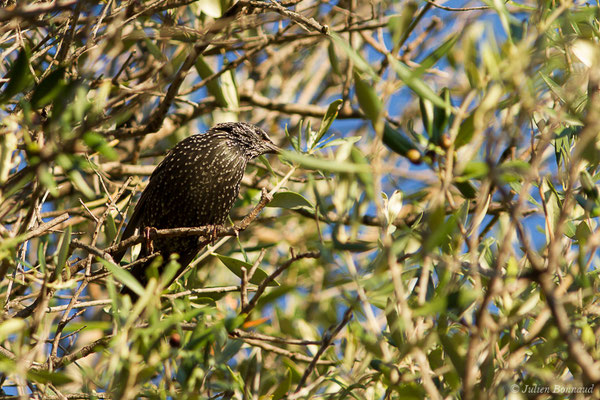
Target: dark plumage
{"type": "Point", "coordinates": [195, 185]}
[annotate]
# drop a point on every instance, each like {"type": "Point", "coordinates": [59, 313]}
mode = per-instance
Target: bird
{"type": "Point", "coordinates": [195, 185]}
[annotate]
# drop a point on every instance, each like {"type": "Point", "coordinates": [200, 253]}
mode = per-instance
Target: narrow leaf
{"type": "Point", "coordinates": [43, 376]}
{"type": "Point", "coordinates": [283, 387]}
{"type": "Point", "coordinates": [41, 254]}
{"type": "Point", "coordinates": [63, 253]}
{"type": "Point", "coordinates": [359, 62]}
{"type": "Point", "coordinates": [213, 87]}
{"type": "Point", "coordinates": [235, 266]}
{"type": "Point", "coordinates": [123, 276]}
{"type": "Point", "coordinates": [436, 55]}
{"type": "Point", "coordinates": [19, 76]}
{"type": "Point", "coordinates": [415, 83]}
{"type": "Point", "coordinates": [330, 116]}
{"type": "Point", "coordinates": [48, 89]}
{"type": "Point", "coordinates": [110, 228]}
{"type": "Point", "coordinates": [314, 163]}
{"type": "Point", "coordinates": [367, 98]}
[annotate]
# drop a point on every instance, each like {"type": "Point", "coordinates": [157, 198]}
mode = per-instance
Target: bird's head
{"type": "Point", "coordinates": [249, 138]}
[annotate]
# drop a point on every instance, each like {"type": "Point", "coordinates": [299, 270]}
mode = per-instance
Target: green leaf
{"type": "Point", "coordinates": [359, 62]}
{"type": "Point", "coordinates": [110, 228]}
{"type": "Point", "coordinates": [170, 271]}
{"type": "Point", "coordinates": [96, 142]}
{"type": "Point", "coordinates": [80, 184]}
{"type": "Point", "coordinates": [340, 141]}
{"type": "Point", "coordinates": [154, 50]}
{"type": "Point", "coordinates": [235, 266]}
{"type": "Point", "coordinates": [43, 376]}
{"type": "Point", "coordinates": [415, 83]}
{"type": "Point", "coordinates": [8, 145]}
{"type": "Point", "coordinates": [63, 253]}
{"type": "Point", "coordinates": [398, 24]}
{"type": "Point", "coordinates": [41, 254]}
{"type": "Point", "coordinates": [554, 87]}
{"type": "Point", "coordinates": [47, 179]}
{"type": "Point", "coordinates": [440, 230]}
{"type": "Point", "coordinates": [426, 107]}
{"type": "Point", "coordinates": [213, 87]}
{"type": "Point", "coordinates": [283, 387]}
{"type": "Point", "coordinates": [441, 117]}
{"type": "Point", "coordinates": [467, 189]}
{"type": "Point", "coordinates": [395, 325]}
{"type": "Point", "coordinates": [123, 276]}
{"type": "Point", "coordinates": [333, 60]}
{"type": "Point", "coordinates": [319, 164]}
{"type": "Point", "coordinates": [289, 200]}
{"type": "Point", "coordinates": [434, 306]}
{"type": "Point", "coordinates": [365, 178]}
{"type": "Point", "coordinates": [411, 391]}
{"type": "Point", "coordinates": [19, 76]}
{"type": "Point", "coordinates": [473, 170]}
{"type": "Point", "coordinates": [47, 90]}
{"type": "Point", "coordinates": [295, 141]}
{"type": "Point", "coordinates": [453, 349]}
{"type": "Point", "coordinates": [10, 327]}
{"type": "Point", "coordinates": [367, 98]}
{"type": "Point", "coordinates": [356, 246]}
{"type": "Point", "coordinates": [436, 55]}
{"type": "Point", "coordinates": [68, 102]}
{"type": "Point", "coordinates": [562, 145]}
{"type": "Point", "coordinates": [582, 233]}
{"type": "Point", "coordinates": [230, 350]}
{"type": "Point", "coordinates": [230, 89]}
{"type": "Point", "coordinates": [330, 115]}
{"type": "Point", "coordinates": [514, 170]}
{"type": "Point", "coordinates": [465, 132]}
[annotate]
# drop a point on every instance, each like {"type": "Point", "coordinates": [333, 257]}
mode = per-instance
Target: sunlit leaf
{"type": "Point", "coordinates": [367, 98]}
{"type": "Point", "coordinates": [63, 252]}
{"type": "Point", "coordinates": [360, 63]}
{"type": "Point", "coordinates": [289, 200]}
{"type": "Point", "coordinates": [123, 276]}
{"type": "Point", "coordinates": [398, 24]}
{"type": "Point", "coordinates": [320, 164]}
{"type": "Point", "coordinates": [330, 115]}
{"type": "Point", "coordinates": [415, 83]}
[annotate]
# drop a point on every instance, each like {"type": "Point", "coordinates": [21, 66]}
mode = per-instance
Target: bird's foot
{"type": "Point", "coordinates": [148, 233]}
{"type": "Point", "coordinates": [214, 234]}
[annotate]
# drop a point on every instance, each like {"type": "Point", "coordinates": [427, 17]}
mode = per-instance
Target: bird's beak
{"type": "Point", "coordinates": [273, 149]}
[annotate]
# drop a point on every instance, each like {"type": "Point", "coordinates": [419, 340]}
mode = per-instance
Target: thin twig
{"type": "Point", "coordinates": [325, 343]}
{"type": "Point", "coordinates": [44, 228]}
{"type": "Point", "coordinates": [261, 288]}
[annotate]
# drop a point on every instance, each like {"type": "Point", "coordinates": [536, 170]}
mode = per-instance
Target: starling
{"type": "Point", "coordinates": [194, 186]}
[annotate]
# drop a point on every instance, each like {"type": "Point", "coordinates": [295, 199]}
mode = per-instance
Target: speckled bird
{"type": "Point", "coordinates": [194, 186]}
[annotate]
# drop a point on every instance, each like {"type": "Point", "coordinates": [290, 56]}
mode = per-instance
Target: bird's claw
{"type": "Point", "coordinates": [148, 233]}
{"type": "Point", "coordinates": [212, 234]}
